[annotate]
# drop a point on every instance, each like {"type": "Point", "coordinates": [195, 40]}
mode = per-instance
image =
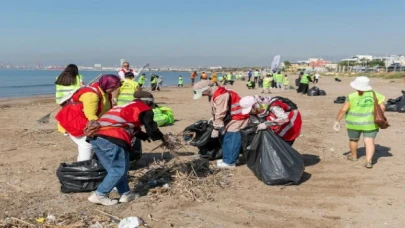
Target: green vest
{"type": "Point", "coordinates": [286, 81]}
{"type": "Point", "coordinates": [180, 81]}
{"type": "Point", "coordinates": [249, 83]}
{"type": "Point", "coordinates": [220, 78]}
{"type": "Point", "coordinates": [229, 77]}
{"type": "Point", "coordinates": [266, 82]}
{"type": "Point", "coordinates": [361, 112]}
{"type": "Point", "coordinates": [127, 90]}
{"type": "Point", "coordinates": [62, 90]}
{"type": "Point", "coordinates": [304, 79]}
{"type": "Point", "coordinates": [154, 81]}
{"type": "Point", "coordinates": [279, 78]}
{"type": "Point", "coordinates": [141, 80]}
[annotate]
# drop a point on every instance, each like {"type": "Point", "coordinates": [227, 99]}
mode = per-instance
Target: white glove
{"type": "Point", "coordinates": [214, 134]}
{"type": "Point", "coordinates": [261, 126]}
{"type": "Point", "coordinates": [336, 127]}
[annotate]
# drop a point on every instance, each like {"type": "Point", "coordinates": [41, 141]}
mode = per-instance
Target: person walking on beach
{"type": "Point", "coordinates": [266, 84]}
{"type": "Point", "coordinates": [359, 112]}
{"type": "Point", "coordinates": [180, 84]}
{"type": "Point", "coordinates": [141, 81]}
{"type": "Point", "coordinates": [317, 76]}
{"type": "Point", "coordinates": [286, 82]}
{"type": "Point", "coordinates": [111, 137]}
{"type": "Point", "coordinates": [193, 76]}
{"type": "Point", "coordinates": [256, 75]}
{"type": "Point", "coordinates": [68, 81]}
{"type": "Point", "coordinates": [227, 123]}
{"type": "Point", "coordinates": [249, 74]}
{"type": "Point", "coordinates": [88, 103]}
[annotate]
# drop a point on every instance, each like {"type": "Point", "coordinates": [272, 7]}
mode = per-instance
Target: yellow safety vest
{"type": "Point", "coordinates": [127, 90]}
{"type": "Point", "coordinates": [62, 90]}
{"type": "Point", "coordinates": [304, 79]}
{"type": "Point", "coordinates": [286, 81]}
{"type": "Point", "coordinates": [361, 112]}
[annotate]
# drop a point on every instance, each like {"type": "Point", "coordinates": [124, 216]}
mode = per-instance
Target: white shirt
{"type": "Point", "coordinates": [121, 74]}
{"type": "Point", "coordinates": [317, 76]}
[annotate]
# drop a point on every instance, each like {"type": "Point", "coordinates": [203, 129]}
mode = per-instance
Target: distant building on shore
{"type": "Point", "coordinates": [215, 68]}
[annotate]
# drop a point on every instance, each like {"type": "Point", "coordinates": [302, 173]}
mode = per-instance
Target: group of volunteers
{"type": "Point", "coordinates": [106, 116]}
{"type": "Point", "coordinates": [275, 114]}
{"type": "Point", "coordinates": [267, 80]}
{"type": "Point", "coordinates": [95, 123]}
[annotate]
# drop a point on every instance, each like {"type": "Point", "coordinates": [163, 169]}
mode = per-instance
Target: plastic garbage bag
{"type": "Point", "coordinates": [322, 93]}
{"type": "Point", "coordinates": [314, 91]}
{"type": "Point", "coordinates": [208, 147]}
{"type": "Point", "coordinates": [84, 176]}
{"type": "Point", "coordinates": [297, 82]}
{"type": "Point", "coordinates": [401, 105]}
{"type": "Point", "coordinates": [340, 100]}
{"type": "Point", "coordinates": [271, 159]}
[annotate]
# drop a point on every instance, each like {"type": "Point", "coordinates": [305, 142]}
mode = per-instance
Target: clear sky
{"type": "Point", "coordinates": [197, 32]}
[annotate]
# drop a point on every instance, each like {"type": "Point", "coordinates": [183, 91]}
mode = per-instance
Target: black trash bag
{"type": "Point", "coordinates": [391, 107]}
{"type": "Point", "coordinates": [401, 105]}
{"type": "Point", "coordinates": [271, 159]}
{"type": "Point", "coordinates": [340, 100]}
{"type": "Point", "coordinates": [84, 176]}
{"type": "Point", "coordinates": [202, 132]}
{"type": "Point", "coordinates": [314, 91]}
{"type": "Point", "coordinates": [322, 93]}
{"type": "Point", "coordinates": [208, 147]}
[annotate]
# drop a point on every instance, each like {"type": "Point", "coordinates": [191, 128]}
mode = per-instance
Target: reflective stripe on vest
{"type": "Point", "coordinates": [361, 113]}
{"type": "Point", "coordinates": [289, 125]}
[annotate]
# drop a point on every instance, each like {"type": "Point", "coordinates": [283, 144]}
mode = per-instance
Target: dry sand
{"type": "Point", "coordinates": [334, 191]}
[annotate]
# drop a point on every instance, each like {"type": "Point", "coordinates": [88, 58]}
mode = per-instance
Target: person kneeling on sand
{"type": "Point", "coordinates": [111, 137]}
{"type": "Point", "coordinates": [278, 115]}
{"type": "Point", "coordinates": [227, 123]}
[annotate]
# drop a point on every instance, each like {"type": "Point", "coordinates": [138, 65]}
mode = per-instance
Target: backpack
{"type": "Point", "coordinates": [286, 101]}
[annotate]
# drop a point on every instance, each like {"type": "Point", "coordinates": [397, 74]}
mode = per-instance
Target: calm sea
{"type": "Point", "coordinates": [23, 83]}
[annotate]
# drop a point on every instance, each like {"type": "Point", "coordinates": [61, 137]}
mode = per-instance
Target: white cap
{"type": "Point", "coordinates": [200, 87]}
{"type": "Point", "coordinates": [246, 103]}
{"type": "Point", "coordinates": [361, 83]}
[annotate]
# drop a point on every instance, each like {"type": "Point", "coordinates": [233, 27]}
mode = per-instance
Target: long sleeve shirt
{"type": "Point", "coordinates": [219, 109]}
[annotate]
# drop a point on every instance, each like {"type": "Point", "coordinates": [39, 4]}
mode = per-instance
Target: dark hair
{"type": "Point", "coordinates": [129, 75]}
{"type": "Point", "coordinates": [68, 76]}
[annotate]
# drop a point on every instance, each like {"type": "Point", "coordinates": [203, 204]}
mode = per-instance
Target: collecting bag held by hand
{"type": "Point", "coordinates": [84, 176]}
{"type": "Point", "coordinates": [271, 159]}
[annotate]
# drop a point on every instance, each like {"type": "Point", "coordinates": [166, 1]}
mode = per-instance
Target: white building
{"type": "Point", "coordinates": [97, 67]}
{"type": "Point", "coordinates": [216, 68]}
{"type": "Point", "coordinates": [358, 58]}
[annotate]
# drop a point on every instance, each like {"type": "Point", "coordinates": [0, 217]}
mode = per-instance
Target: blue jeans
{"type": "Point", "coordinates": [231, 145]}
{"type": "Point", "coordinates": [116, 161]}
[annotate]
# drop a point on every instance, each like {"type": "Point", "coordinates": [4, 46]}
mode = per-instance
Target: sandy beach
{"type": "Point", "coordinates": [334, 192]}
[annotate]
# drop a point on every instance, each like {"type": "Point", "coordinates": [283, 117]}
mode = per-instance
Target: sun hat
{"type": "Point", "coordinates": [361, 83]}
{"type": "Point", "coordinates": [200, 87]}
{"type": "Point", "coordinates": [246, 104]}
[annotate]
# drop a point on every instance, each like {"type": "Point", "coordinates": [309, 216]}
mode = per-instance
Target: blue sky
{"type": "Point", "coordinates": [192, 33]}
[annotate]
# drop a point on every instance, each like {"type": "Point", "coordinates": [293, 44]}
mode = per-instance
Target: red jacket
{"type": "Point", "coordinates": [121, 122]}
{"type": "Point", "coordinates": [290, 130]}
{"type": "Point", "coordinates": [236, 110]}
{"type": "Point", "coordinates": [71, 116]}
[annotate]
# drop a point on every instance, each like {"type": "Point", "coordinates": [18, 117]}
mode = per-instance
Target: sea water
{"type": "Point", "coordinates": [26, 83]}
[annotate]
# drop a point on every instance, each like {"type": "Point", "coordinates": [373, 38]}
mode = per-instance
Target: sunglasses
{"type": "Point", "coordinates": [126, 65]}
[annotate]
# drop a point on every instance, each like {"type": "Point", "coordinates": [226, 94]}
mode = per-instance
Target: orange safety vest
{"type": "Point", "coordinates": [290, 130]}
{"type": "Point", "coordinates": [121, 122]}
{"type": "Point", "coordinates": [71, 116]}
{"type": "Point", "coordinates": [236, 110]}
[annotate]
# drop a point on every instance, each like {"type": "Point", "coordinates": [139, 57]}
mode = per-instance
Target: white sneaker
{"type": "Point", "coordinates": [126, 198]}
{"type": "Point", "coordinates": [103, 200]}
{"type": "Point", "coordinates": [222, 165]}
